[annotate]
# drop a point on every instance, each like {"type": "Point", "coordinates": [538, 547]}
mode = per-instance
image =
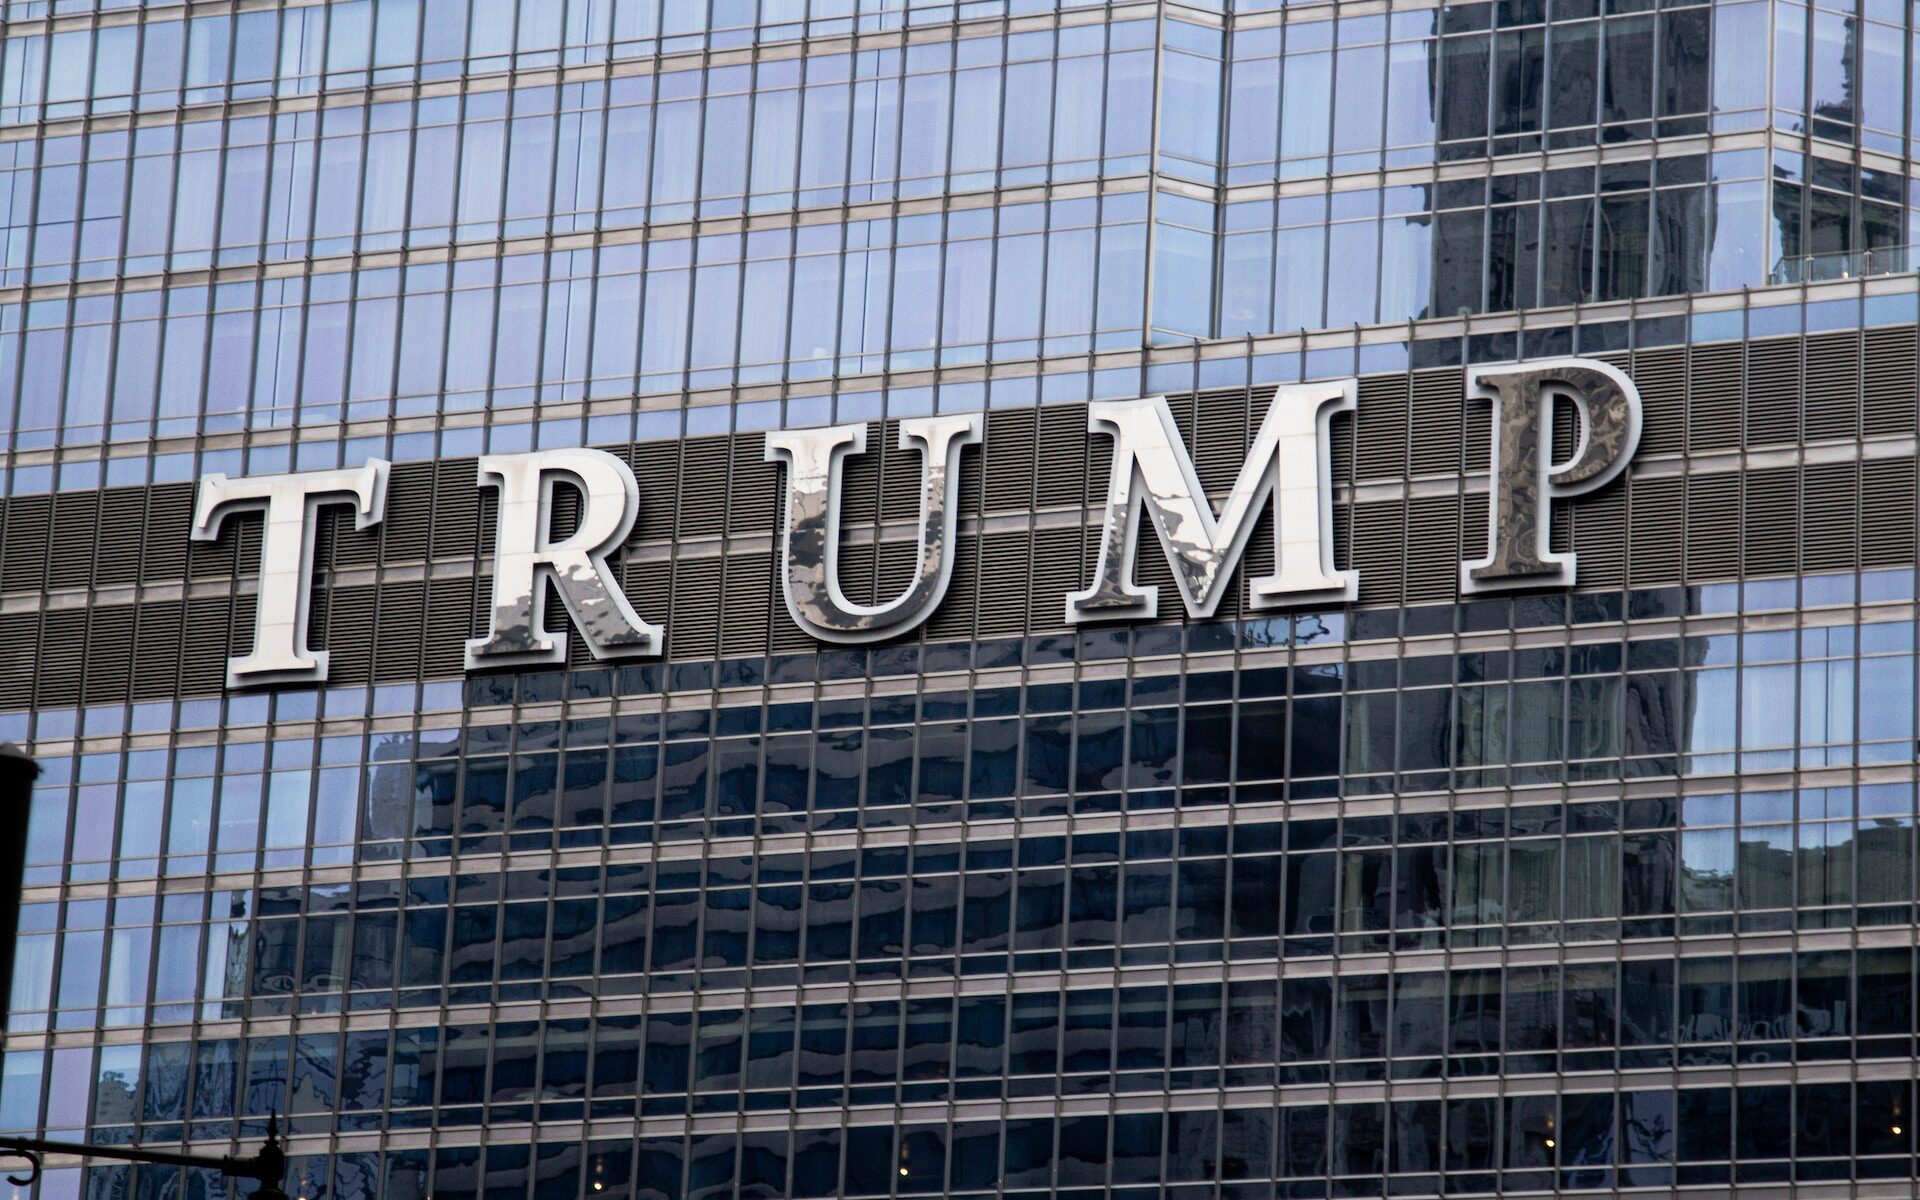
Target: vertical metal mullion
{"type": "Point", "coordinates": [1100, 196]}
{"type": "Point", "coordinates": [793, 274]}
{"type": "Point", "coordinates": [1153, 177]}
{"type": "Point", "coordinates": [693, 250]}
{"type": "Point", "coordinates": [406, 240]}
{"type": "Point", "coordinates": [799, 168]}
{"type": "Point", "coordinates": [597, 250]}
{"type": "Point", "coordinates": [894, 137]}
{"type": "Point", "coordinates": [999, 203]}
{"type": "Point", "coordinates": [946, 228]}
{"type": "Point", "coordinates": [740, 270]}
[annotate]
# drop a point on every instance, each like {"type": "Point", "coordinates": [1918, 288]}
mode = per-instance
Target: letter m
{"type": "Point", "coordinates": [1289, 462]}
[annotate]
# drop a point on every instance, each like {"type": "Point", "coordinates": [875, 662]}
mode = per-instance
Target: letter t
{"type": "Point", "coordinates": [292, 504]}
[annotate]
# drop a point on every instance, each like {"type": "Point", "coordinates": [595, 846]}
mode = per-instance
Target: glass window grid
{"type": "Point", "coordinates": [179, 458]}
{"type": "Point", "coordinates": [1599, 278]}
{"type": "Point", "coordinates": [1462, 742]}
{"type": "Point", "coordinates": [1370, 915]}
{"type": "Point", "coordinates": [1738, 1003]}
{"type": "Point", "coordinates": [1771, 1131]}
{"type": "Point", "coordinates": [1536, 873]}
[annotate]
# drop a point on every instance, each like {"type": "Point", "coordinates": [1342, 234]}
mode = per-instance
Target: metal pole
{"type": "Point", "coordinates": [269, 1167]}
{"type": "Point", "coordinates": [17, 773]}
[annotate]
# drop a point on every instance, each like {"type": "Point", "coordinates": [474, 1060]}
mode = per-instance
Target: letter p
{"type": "Point", "coordinates": [1524, 482]}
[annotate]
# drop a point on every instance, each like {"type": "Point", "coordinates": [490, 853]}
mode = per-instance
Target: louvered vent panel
{"type": "Point", "coordinates": [1833, 386]}
{"type": "Point", "coordinates": [19, 644]}
{"type": "Point", "coordinates": [756, 483]}
{"type": "Point", "coordinates": [1380, 442]}
{"type": "Point", "coordinates": [648, 584]}
{"type": "Point", "coordinates": [1773, 393]}
{"type": "Point", "coordinates": [350, 634]}
{"type": "Point", "coordinates": [168, 533]}
{"type": "Point", "coordinates": [156, 649]}
{"type": "Point", "coordinates": [63, 651]}
{"type": "Point", "coordinates": [1473, 527]}
{"type": "Point", "coordinates": [249, 548]}
{"type": "Point", "coordinates": [1062, 475]}
{"type": "Point", "coordinates": [319, 605]}
{"type": "Point", "coordinates": [1056, 572]}
{"type": "Point", "coordinates": [857, 572]}
{"type": "Point", "coordinates": [326, 535]}
{"type": "Point", "coordinates": [1255, 561]}
{"type": "Point", "coordinates": [456, 505]}
{"type": "Point", "coordinates": [1379, 532]}
{"type": "Point", "coordinates": [1830, 516]}
{"type": "Point", "coordinates": [1656, 512]}
{"type": "Point", "coordinates": [1772, 540]}
{"type": "Point", "coordinates": [1099, 472]}
{"type": "Point", "coordinates": [215, 559]}
{"type": "Point", "coordinates": [23, 553]}
{"type": "Point", "coordinates": [487, 510]}
{"type": "Point", "coordinates": [1560, 529]}
{"type": "Point", "coordinates": [1716, 386]}
{"type": "Point", "coordinates": [1433, 547]}
{"type": "Point", "coordinates": [203, 661]}
{"type": "Point", "coordinates": [1887, 504]}
{"type": "Point", "coordinates": [567, 503]}
{"type": "Point", "coordinates": [749, 579]}
{"type": "Point", "coordinates": [1660, 376]}
{"type": "Point", "coordinates": [399, 619]}
{"type": "Point", "coordinates": [1600, 535]}
{"type": "Point", "coordinates": [579, 653]}
{"type": "Point", "coordinates": [1181, 406]}
{"type": "Point", "coordinates": [1477, 442]}
{"type": "Point", "coordinates": [1343, 537]}
{"type": "Point", "coordinates": [657, 466]}
{"type": "Point", "coordinates": [406, 533]}
{"type": "Point", "coordinates": [972, 480]}
{"type": "Point", "coordinates": [1008, 453]}
{"type": "Point", "coordinates": [1220, 447]}
{"type": "Point", "coordinates": [895, 562]}
{"type": "Point", "coordinates": [953, 620]}
{"type": "Point", "coordinates": [860, 483]}
{"type": "Point", "coordinates": [1713, 527]}
{"type": "Point", "coordinates": [1340, 450]}
{"type": "Point", "coordinates": [703, 487]}
{"type": "Point", "coordinates": [1089, 562]}
{"type": "Point", "coordinates": [108, 656]}
{"type": "Point", "coordinates": [240, 627]}
{"type": "Point", "coordinates": [350, 547]}
{"type": "Point", "coordinates": [696, 618]}
{"type": "Point", "coordinates": [899, 475]}
{"type": "Point", "coordinates": [449, 620]}
{"type": "Point", "coordinates": [784, 636]}
{"type": "Point", "coordinates": [1437, 421]}
{"type": "Point", "coordinates": [1566, 428]}
{"type": "Point", "coordinates": [72, 550]}
{"type": "Point", "coordinates": [1888, 387]}
{"type": "Point", "coordinates": [1150, 568]}
{"type": "Point", "coordinates": [1003, 582]}
{"type": "Point", "coordinates": [123, 511]}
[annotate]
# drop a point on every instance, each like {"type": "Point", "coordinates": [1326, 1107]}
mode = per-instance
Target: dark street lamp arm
{"type": "Point", "coordinates": [269, 1166]}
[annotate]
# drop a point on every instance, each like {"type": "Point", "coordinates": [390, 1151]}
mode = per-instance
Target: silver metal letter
{"type": "Point", "coordinates": [1289, 459]}
{"type": "Point", "coordinates": [1524, 481]}
{"type": "Point", "coordinates": [526, 557]}
{"type": "Point", "coordinates": [291, 503]}
{"type": "Point", "coordinates": [811, 539]}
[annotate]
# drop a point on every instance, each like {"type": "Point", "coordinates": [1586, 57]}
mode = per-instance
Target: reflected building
{"type": "Point", "coordinates": [929, 849]}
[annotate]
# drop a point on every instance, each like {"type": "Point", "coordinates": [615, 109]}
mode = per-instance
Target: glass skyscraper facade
{"type": "Point", "coordinates": [1427, 893]}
